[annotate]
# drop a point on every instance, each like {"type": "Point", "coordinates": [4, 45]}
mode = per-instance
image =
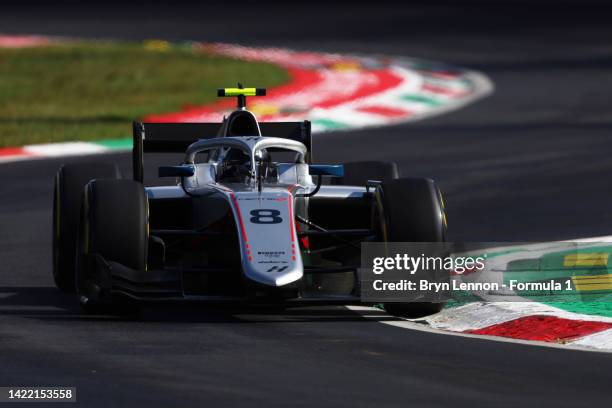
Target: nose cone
{"type": "Point", "coordinates": [270, 248]}
{"type": "Point", "coordinates": [276, 276]}
{"type": "Point", "coordinates": [288, 278]}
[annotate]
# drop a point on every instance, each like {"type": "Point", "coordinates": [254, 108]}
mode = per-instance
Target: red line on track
{"type": "Point", "coordinates": [385, 80]}
{"type": "Point", "coordinates": [10, 152]}
{"type": "Point", "coordinates": [443, 91]}
{"type": "Point", "coordinates": [385, 111]}
{"type": "Point", "coordinates": [543, 328]}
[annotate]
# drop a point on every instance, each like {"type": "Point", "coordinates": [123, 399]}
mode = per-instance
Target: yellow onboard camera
{"type": "Point", "coordinates": [241, 93]}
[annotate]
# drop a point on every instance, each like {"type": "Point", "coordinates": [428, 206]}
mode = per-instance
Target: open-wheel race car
{"type": "Point", "coordinates": [249, 219]}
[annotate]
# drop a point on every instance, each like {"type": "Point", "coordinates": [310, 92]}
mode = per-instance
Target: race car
{"type": "Point", "coordinates": [247, 217]}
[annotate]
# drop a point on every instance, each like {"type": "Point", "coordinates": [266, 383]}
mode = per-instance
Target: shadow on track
{"type": "Point", "coordinates": [47, 303]}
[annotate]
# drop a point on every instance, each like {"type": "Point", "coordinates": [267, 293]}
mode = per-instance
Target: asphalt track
{"type": "Point", "coordinates": [530, 162]}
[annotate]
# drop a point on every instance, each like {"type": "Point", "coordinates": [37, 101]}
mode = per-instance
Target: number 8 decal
{"type": "Point", "coordinates": [265, 216]}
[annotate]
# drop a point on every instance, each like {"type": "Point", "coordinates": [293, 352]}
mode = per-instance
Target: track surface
{"type": "Point", "coordinates": [529, 163]}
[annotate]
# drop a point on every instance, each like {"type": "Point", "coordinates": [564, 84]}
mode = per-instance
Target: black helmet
{"type": "Point", "coordinates": [236, 166]}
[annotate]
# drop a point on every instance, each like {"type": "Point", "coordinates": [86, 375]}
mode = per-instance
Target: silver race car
{"type": "Point", "coordinates": [247, 218]}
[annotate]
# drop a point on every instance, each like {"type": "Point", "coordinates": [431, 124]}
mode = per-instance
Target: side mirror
{"type": "Point", "coordinates": [184, 170]}
{"type": "Point", "coordinates": [335, 170]}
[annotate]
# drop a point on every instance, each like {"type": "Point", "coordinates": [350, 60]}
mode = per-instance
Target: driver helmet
{"type": "Point", "coordinates": [236, 164]}
{"type": "Point", "coordinates": [262, 155]}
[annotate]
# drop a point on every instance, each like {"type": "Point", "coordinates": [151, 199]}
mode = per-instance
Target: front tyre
{"type": "Point", "coordinates": [69, 182]}
{"type": "Point", "coordinates": [113, 227]}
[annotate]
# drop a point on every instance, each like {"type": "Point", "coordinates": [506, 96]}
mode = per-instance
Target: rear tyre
{"type": "Point", "coordinates": [414, 212]}
{"type": "Point", "coordinates": [69, 182]}
{"type": "Point", "coordinates": [358, 173]}
{"type": "Point", "coordinates": [113, 225]}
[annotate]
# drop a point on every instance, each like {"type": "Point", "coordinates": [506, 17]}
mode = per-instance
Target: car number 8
{"type": "Point", "coordinates": [264, 216]}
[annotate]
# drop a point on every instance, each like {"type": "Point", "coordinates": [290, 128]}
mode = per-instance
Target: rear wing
{"type": "Point", "coordinates": [176, 137]}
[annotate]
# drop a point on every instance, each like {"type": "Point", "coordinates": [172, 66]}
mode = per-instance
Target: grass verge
{"type": "Point", "coordinates": [94, 90]}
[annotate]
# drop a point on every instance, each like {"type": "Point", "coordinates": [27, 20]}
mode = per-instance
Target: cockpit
{"type": "Point", "coordinates": [247, 159]}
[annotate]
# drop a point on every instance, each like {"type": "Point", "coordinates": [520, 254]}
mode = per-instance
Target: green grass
{"type": "Point", "coordinates": [94, 90]}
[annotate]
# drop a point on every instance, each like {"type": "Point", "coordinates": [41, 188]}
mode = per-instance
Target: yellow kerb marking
{"type": "Point", "coordinates": [157, 45]}
{"type": "Point", "coordinates": [592, 259]}
{"type": "Point", "coordinates": [592, 282]}
{"type": "Point", "coordinates": [261, 109]}
{"type": "Point", "coordinates": [346, 66]}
